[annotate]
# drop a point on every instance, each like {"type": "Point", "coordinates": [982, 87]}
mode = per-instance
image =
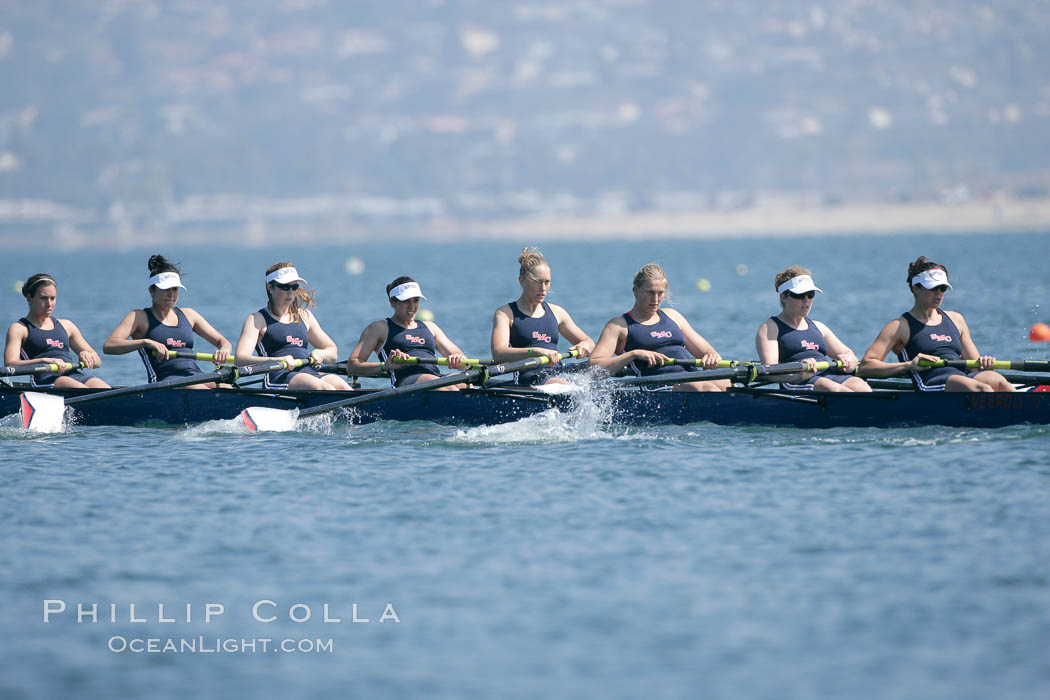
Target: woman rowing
{"type": "Point", "coordinates": [162, 328]}
{"type": "Point", "coordinates": [283, 329]}
{"type": "Point", "coordinates": [926, 334]}
{"type": "Point", "coordinates": [532, 327]}
{"type": "Point", "coordinates": [401, 337]}
{"type": "Point", "coordinates": [41, 338]}
{"type": "Point", "coordinates": [791, 336]}
{"type": "Point", "coordinates": [647, 339]}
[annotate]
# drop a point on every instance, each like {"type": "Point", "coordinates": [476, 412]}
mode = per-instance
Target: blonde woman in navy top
{"type": "Point", "coordinates": [284, 329]}
{"type": "Point", "coordinates": [163, 326]}
{"type": "Point", "coordinates": [641, 339]}
{"type": "Point", "coordinates": [403, 336]}
{"type": "Point", "coordinates": [927, 332]}
{"type": "Point", "coordinates": [791, 336]}
{"type": "Point", "coordinates": [530, 326]}
{"type": "Point", "coordinates": [41, 338]}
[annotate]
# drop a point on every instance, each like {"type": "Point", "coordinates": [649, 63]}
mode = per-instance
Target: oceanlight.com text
{"type": "Point", "coordinates": [218, 645]}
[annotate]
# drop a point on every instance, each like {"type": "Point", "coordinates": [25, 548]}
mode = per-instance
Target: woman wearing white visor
{"type": "Point", "coordinates": [402, 336]}
{"type": "Point", "coordinates": [926, 333]}
{"type": "Point", "coordinates": [283, 330]}
{"type": "Point", "coordinates": [163, 327]}
{"type": "Point", "coordinates": [791, 336]}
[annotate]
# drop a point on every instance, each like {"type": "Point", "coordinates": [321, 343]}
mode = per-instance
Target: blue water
{"type": "Point", "coordinates": [557, 557]}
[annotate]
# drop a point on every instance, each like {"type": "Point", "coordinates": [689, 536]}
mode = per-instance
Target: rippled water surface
{"type": "Point", "coordinates": [560, 556]}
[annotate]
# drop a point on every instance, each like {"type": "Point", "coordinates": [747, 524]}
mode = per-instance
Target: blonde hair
{"type": "Point", "coordinates": [530, 259]}
{"type": "Point", "coordinates": [648, 273]}
{"type": "Point", "coordinates": [304, 298]}
{"type": "Point", "coordinates": [789, 274]}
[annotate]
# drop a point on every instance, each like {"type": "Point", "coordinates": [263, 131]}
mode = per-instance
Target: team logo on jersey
{"type": "Point", "coordinates": [661, 334]}
{"type": "Point", "coordinates": [536, 335]}
{"type": "Point", "coordinates": [292, 340]}
{"type": "Point", "coordinates": [806, 345]}
{"type": "Point", "coordinates": [174, 343]}
{"type": "Point", "coordinates": [52, 343]}
{"type": "Point", "coordinates": [415, 339]}
{"type": "Point", "coordinates": [942, 338]}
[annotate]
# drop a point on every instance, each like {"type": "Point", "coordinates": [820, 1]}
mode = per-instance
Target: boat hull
{"type": "Point", "coordinates": [882, 409]}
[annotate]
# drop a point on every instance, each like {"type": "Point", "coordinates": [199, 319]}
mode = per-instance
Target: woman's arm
{"type": "Point", "coordinates": [372, 338]}
{"type": "Point", "coordinates": [79, 345]}
{"type": "Point", "coordinates": [201, 327]}
{"type": "Point", "coordinates": [123, 338]}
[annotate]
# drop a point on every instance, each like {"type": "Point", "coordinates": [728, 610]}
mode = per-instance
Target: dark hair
{"type": "Point", "coordinates": [403, 279]}
{"type": "Point", "coordinates": [921, 265]}
{"type": "Point", "coordinates": [40, 279]}
{"type": "Point", "coordinates": [158, 264]}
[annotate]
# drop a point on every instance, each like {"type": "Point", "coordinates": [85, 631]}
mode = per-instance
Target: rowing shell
{"type": "Point", "coordinates": [882, 409]}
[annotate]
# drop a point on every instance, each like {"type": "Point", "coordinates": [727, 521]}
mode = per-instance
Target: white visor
{"type": "Point", "coordinates": [931, 278]}
{"type": "Point", "coordinates": [165, 280]}
{"type": "Point", "coordinates": [406, 291]}
{"type": "Point", "coordinates": [285, 275]}
{"type": "Point", "coordinates": [799, 285]}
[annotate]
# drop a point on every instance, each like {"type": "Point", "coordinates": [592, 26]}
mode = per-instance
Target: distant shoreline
{"type": "Point", "coordinates": [776, 221]}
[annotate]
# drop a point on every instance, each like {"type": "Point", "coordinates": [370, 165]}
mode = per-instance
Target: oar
{"type": "Point", "coordinates": [259, 418]}
{"type": "Point", "coordinates": [722, 364]}
{"type": "Point", "coordinates": [1019, 365]}
{"type": "Point", "coordinates": [198, 356]}
{"type": "Point", "coordinates": [36, 369]}
{"type": "Point", "coordinates": [744, 372]}
{"type": "Point", "coordinates": [43, 412]}
{"type": "Point", "coordinates": [443, 361]}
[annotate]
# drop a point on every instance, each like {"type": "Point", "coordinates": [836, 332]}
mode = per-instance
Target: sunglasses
{"type": "Point", "coordinates": [293, 287]}
{"type": "Point", "coordinates": [804, 295]}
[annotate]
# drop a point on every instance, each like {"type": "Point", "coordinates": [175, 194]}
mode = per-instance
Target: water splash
{"type": "Point", "coordinates": [589, 418]}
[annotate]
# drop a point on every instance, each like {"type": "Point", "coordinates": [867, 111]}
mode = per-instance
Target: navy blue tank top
{"type": "Point", "coordinates": [528, 332]}
{"type": "Point", "coordinates": [417, 342]}
{"type": "Point", "coordinates": [177, 337]}
{"type": "Point", "coordinates": [798, 345]}
{"type": "Point", "coordinates": [282, 339]}
{"type": "Point", "coordinates": [665, 337]}
{"type": "Point", "coordinates": [41, 343]}
{"type": "Point", "coordinates": [942, 340]}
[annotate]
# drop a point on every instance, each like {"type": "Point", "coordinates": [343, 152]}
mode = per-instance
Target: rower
{"type": "Point", "coordinates": [791, 336]}
{"type": "Point", "coordinates": [162, 327]}
{"type": "Point", "coordinates": [642, 339]}
{"type": "Point", "coordinates": [403, 336]}
{"type": "Point", "coordinates": [41, 338]}
{"type": "Point", "coordinates": [532, 327]}
{"type": "Point", "coordinates": [927, 333]}
{"type": "Point", "coordinates": [283, 329]}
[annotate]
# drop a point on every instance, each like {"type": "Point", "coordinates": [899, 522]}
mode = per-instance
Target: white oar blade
{"type": "Point", "coordinates": [42, 413]}
{"type": "Point", "coordinates": [258, 419]}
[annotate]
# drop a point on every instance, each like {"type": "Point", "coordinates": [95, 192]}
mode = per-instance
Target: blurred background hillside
{"type": "Point", "coordinates": [123, 121]}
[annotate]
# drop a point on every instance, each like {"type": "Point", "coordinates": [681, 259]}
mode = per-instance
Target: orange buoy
{"type": "Point", "coordinates": [1040, 333]}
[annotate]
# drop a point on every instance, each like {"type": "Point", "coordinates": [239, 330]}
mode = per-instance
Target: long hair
{"type": "Point", "coordinates": [158, 264]}
{"type": "Point", "coordinates": [304, 298]}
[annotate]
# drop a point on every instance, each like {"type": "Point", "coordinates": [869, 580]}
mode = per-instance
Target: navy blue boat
{"type": "Point", "coordinates": [487, 406]}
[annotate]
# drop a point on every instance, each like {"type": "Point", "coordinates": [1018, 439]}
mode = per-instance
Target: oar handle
{"type": "Point", "coordinates": [44, 367]}
{"type": "Point", "coordinates": [443, 361]}
{"type": "Point", "coordinates": [198, 356]}
{"type": "Point", "coordinates": [722, 364]}
{"type": "Point", "coordinates": [1019, 365]}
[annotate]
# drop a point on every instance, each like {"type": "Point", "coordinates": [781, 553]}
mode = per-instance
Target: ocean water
{"type": "Point", "coordinates": [560, 556]}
